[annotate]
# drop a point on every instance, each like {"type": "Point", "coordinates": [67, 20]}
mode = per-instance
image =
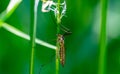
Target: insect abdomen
{"type": "Point", "coordinates": [61, 49]}
{"type": "Point", "coordinates": [62, 56]}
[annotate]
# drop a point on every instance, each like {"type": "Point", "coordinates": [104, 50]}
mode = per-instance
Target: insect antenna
{"type": "Point", "coordinates": [64, 27]}
{"type": "Point", "coordinates": [66, 30]}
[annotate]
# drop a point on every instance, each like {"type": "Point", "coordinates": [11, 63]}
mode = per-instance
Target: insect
{"type": "Point", "coordinates": [60, 41]}
{"type": "Point", "coordinates": [49, 5]}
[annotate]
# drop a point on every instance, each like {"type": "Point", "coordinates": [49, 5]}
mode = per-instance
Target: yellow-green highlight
{"type": "Point", "coordinates": [32, 61]}
{"type": "Point", "coordinates": [57, 65]}
{"type": "Point", "coordinates": [1, 23]}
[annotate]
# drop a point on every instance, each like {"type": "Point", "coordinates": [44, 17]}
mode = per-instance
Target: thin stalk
{"type": "Point", "coordinates": [10, 9]}
{"type": "Point", "coordinates": [34, 5]}
{"type": "Point", "coordinates": [32, 35]}
{"type": "Point", "coordinates": [21, 34]}
{"type": "Point", "coordinates": [58, 32]}
{"type": "Point", "coordinates": [13, 4]}
{"type": "Point", "coordinates": [103, 38]}
{"type": "Point", "coordinates": [58, 15]}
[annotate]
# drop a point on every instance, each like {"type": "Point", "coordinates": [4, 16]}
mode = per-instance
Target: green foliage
{"type": "Point", "coordinates": [103, 38]}
{"type": "Point", "coordinates": [4, 15]}
{"type": "Point", "coordinates": [82, 47]}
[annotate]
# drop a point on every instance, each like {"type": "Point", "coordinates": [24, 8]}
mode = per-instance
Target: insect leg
{"type": "Point", "coordinates": [66, 30]}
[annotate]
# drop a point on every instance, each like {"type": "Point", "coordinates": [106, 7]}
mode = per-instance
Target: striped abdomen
{"type": "Point", "coordinates": [61, 49]}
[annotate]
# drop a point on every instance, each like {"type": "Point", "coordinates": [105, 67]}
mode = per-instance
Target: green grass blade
{"type": "Point", "coordinates": [21, 34]}
{"type": "Point", "coordinates": [10, 9]}
{"type": "Point", "coordinates": [33, 11]}
{"type": "Point", "coordinates": [57, 43]}
{"type": "Point", "coordinates": [103, 39]}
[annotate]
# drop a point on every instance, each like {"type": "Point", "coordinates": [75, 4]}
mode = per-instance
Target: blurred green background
{"type": "Point", "coordinates": [82, 46]}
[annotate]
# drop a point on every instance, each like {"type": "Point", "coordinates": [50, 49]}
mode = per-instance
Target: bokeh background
{"type": "Point", "coordinates": [82, 46]}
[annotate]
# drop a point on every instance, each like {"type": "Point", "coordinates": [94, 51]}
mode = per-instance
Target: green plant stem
{"type": "Point", "coordinates": [32, 35]}
{"type": "Point", "coordinates": [58, 15]}
{"type": "Point", "coordinates": [15, 31]}
{"type": "Point", "coordinates": [57, 61]}
{"type": "Point", "coordinates": [10, 9]}
{"type": "Point", "coordinates": [58, 32]}
{"type": "Point", "coordinates": [21, 34]}
{"type": "Point", "coordinates": [103, 39]}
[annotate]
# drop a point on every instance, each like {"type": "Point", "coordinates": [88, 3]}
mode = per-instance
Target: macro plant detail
{"type": "Point", "coordinates": [59, 10]}
{"type": "Point", "coordinates": [26, 26]}
{"type": "Point", "coordinates": [49, 5]}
